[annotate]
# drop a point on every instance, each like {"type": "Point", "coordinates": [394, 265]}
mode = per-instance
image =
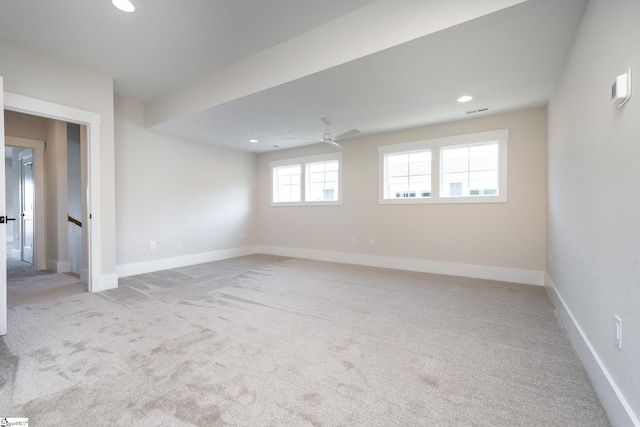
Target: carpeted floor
{"type": "Point", "coordinates": [269, 341]}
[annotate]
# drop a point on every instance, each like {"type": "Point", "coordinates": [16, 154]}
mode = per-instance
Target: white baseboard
{"type": "Point", "coordinates": [104, 282]}
{"type": "Point", "coordinates": [528, 277]}
{"type": "Point", "coordinates": [58, 266]}
{"type": "Point", "coordinates": [615, 404]}
{"type": "Point", "coordinates": [182, 261]}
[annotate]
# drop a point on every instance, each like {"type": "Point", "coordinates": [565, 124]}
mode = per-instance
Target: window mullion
{"type": "Point", "coordinates": [303, 181]}
{"type": "Point", "coordinates": [435, 173]}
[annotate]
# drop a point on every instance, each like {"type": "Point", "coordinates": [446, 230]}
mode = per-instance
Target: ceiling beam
{"type": "Point", "coordinates": [373, 28]}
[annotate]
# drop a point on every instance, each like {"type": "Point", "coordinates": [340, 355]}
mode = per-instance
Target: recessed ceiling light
{"type": "Point", "coordinates": [124, 5]}
{"type": "Point", "coordinates": [465, 98]}
{"type": "Point", "coordinates": [253, 141]}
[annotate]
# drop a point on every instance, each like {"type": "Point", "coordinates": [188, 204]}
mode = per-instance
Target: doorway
{"type": "Point", "coordinates": [90, 124]}
{"type": "Point", "coordinates": [44, 227]}
{"type": "Point", "coordinates": [20, 205]}
{"type": "Point", "coordinates": [96, 279]}
{"type": "Point", "coordinates": [27, 202]}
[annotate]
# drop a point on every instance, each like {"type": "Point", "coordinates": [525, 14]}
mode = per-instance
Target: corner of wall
{"type": "Point", "coordinates": [615, 404]}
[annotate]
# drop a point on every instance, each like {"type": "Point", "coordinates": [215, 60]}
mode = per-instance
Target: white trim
{"type": "Point", "coordinates": [611, 397]}
{"type": "Point", "coordinates": [132, 269]}
{"type": "Point", "coordinates": [28, 105]}
{"type": "Point", "coordinates": [15, 141]}
{"type": "Point", "coordinates": [38, 107]}
{"type": "Point", "coordinates": [307, 159]}
{"type": "Point", "coordinates": [3, 245]}
{"type": "Point", "coordinates": [104, 282]}
{"type": "Point", "coordinates": [469, 138]}
{"type": "Point", "coordinates": [514, 275]}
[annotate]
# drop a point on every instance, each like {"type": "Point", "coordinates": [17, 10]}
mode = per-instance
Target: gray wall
{"type": "Point", "coordinates": [189, 197]}
{"type": "Point", "coordinates": [594, 202]}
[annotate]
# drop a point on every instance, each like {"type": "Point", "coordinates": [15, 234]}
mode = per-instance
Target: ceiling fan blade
{"type": "Point", "coordinates": [335, 144]}
{"type": "Point", "coordinates": [348, 134]}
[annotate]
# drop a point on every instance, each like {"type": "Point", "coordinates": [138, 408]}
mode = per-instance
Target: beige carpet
{"type": "Point", "coordinates": [268, 341]}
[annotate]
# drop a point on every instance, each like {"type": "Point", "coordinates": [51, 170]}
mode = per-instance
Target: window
{"type": "Point", "coordinates": [286, 183]}
{"type": "Point", "coordinates": [407, 174]}
{"type": "Point", "coordinates": [312, 180]}
{"type": "Point", "coordinates": [322, 181]}
{"type": "Point", "coordinates": [468, 168]}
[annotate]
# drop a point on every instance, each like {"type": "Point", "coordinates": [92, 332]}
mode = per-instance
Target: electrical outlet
{"type": "Point", "coordinates": [353, 240]}
{"type": "Point", "coordinates": [372, 241]}
{"type": "Point", "coordinates": [549, 257]}
{"type": "Point", "coordinates": [242, 236]}
{"type": "Point", "coordinates": [152, 244]}
{"type": "Point", "coordinates": [618, 323]}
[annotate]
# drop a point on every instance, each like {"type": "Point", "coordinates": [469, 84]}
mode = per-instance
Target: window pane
{"type": "Point", "coordinates": [322, 181]}
{"type": "Point", "coordinates": [331, 176]}
{"type": "Point", "coordinates": [460, 178]}
{"type": "Point", "coordinates": [470, 170]}
{"type": "Point", "coordinates": [483, 157]}
{"type": "Point", "coordinates": [483, 183]}
{"type": "Point", "coordinates": [332, 166]}
{"type": "Point", "coordinates": [408, 175]}
{"type": "Point", "coordinates": [421, 184]}
{"type": "Point", "coordinates": [455, 189]}
{"type": "Point", "coordinates": [286, 183]}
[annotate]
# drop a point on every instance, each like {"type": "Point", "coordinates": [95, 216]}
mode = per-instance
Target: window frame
{"type": "Point", "coordinates": [501, 136]}
{"type": "Point", "coordinates": [304, 163]}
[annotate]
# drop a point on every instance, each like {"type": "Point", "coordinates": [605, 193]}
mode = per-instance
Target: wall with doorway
{"type": "Point", "coordinates": [42, 77]}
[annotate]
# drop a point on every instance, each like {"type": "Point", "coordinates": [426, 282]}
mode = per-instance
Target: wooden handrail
{"type": "Point", "coordinates": [75, 221]}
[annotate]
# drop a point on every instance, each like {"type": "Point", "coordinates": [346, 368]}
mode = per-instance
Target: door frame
{"type": "Point", "coordinates": [3, 233]}
{"type": "Point", "coordinates": [39, 262]}
{"type": "Point", "coordinates": [92, 121]}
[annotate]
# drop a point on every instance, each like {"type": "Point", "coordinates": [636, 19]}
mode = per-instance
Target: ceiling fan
{"type": "Point", "coordinates": [331, 140]}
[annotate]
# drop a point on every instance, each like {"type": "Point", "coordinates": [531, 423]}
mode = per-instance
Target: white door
{"type": "Point", "coordinates": [3, 234]}
{"type": "Point", "coordinates": [27, 199]}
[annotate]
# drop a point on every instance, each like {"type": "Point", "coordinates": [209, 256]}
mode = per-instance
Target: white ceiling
{"type": "Point", "coordinates": [223, 72]}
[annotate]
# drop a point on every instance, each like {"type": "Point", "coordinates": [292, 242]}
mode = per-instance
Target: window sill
{"type": "Point", "coordinates": [323, 203]}
{"type": "Point", "coordinates": [443, 200]}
